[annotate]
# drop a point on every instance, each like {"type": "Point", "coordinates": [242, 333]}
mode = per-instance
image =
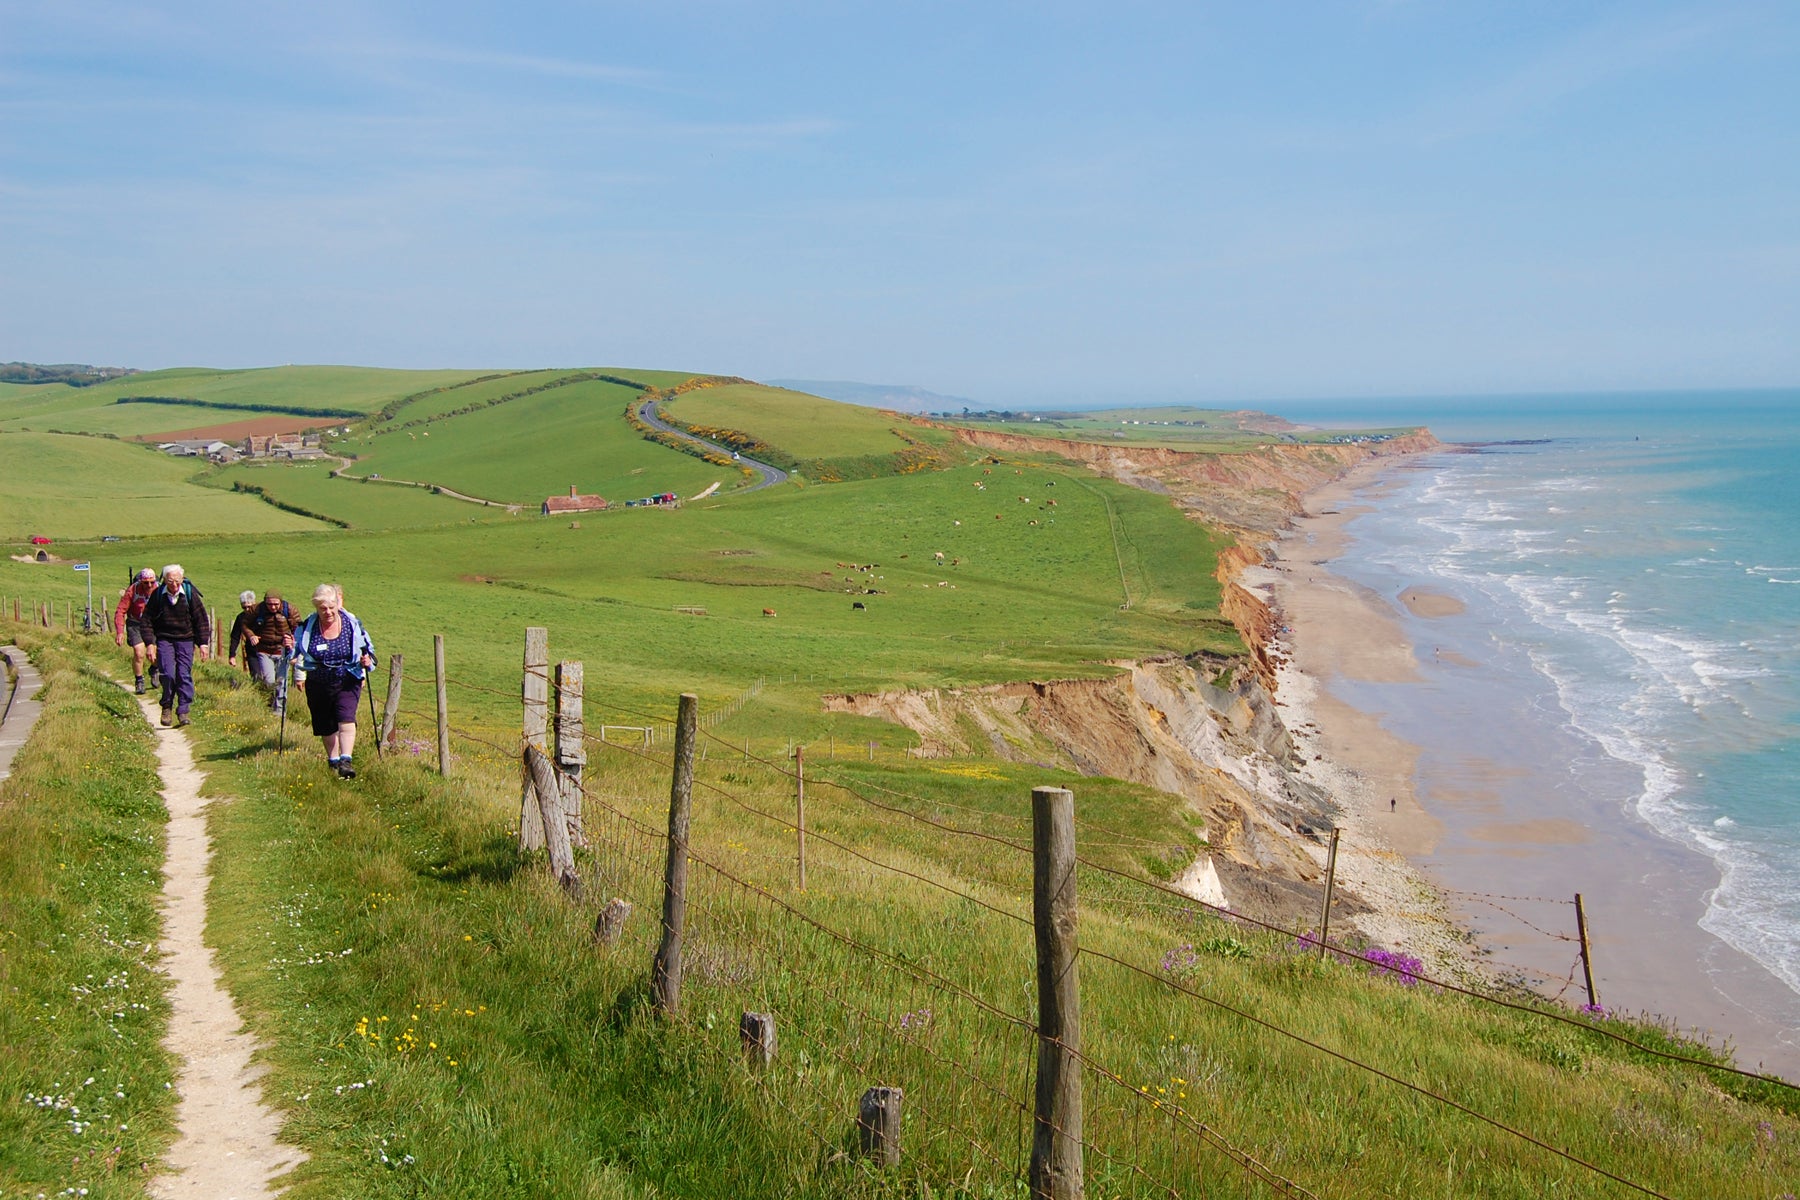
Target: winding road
{"type": "Point", "coordinates": [770, 475]}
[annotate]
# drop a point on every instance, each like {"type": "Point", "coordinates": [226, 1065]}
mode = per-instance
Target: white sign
{"type": "Point", "coordinates": [81, 566]}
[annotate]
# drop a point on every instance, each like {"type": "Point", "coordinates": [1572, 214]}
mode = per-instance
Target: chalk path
{"type": "Point", "coordinates": [226, 1147]}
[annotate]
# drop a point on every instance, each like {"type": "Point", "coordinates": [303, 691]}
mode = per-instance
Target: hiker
{"type": "Point", "coordinates": [176, 617]}
{"type": "Point", "coordinates": [268, 634]}
{"type": "Point", "coordinates": [335, 652]}
{"type": "Point", "coordinates": [247, 602]}
{"type": "Point", "coordinates": [128, 625]}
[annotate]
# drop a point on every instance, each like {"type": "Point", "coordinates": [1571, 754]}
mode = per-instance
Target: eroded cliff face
{"type": "Point", "coordinates": [1203, 729]}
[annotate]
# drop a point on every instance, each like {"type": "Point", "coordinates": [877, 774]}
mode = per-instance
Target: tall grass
{"type": "Point", "coordinates": [441, 1022]}
{"type": "Point", "coordinates": [85, 1105]}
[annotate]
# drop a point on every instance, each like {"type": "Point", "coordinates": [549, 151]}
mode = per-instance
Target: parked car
{"type": "Point", "coordinates": [111, 537]}
{"type": "Point", "coordinates": [40, 540]}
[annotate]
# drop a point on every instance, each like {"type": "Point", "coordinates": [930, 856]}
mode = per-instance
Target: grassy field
{"type": "Point", "coordinates": [79, 487]}
{"type": "Point", "coordinates": [822, 439]}
{"type": "Point", "coordinates": [536, 446]}
{"type": "Point", "coordinates": [440, 1021]}
{"type": "Point", "coordinates": [84, 1099]}
{"type": "Point", "coordinates": [1197, 430]}
{"type": "Point", "coordinates": [363, 505]}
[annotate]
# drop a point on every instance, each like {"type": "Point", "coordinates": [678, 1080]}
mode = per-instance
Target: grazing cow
{"type": "Point", "coordinates": [939, 556]}
{"type": "Point", "coordinates": [768, 612]}
{"type": "Point", "coordinates": [859, 606]}
{"type": "Point", "coordinates": [998, 517]}
{"type": "Point", "coordinates": [1024, 499]}
{"type": "Point", "coordinates": [1051, 503]}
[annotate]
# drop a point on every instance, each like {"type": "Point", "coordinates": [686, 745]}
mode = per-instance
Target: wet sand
{"type": "Point", "coordinates": [1476, 833]}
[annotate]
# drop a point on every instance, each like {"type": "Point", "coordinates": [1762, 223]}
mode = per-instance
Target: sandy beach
{"type": "Point", "coordinates": [1441, 855]}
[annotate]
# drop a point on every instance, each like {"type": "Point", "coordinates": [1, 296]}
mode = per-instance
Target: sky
{"type": "Point", "coordinates": [1021, 204]}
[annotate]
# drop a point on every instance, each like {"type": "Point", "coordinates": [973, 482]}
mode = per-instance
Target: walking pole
{"type": "Point", "coordinates": [281, 697]}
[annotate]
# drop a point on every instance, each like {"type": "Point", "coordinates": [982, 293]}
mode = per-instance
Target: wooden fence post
{"type": "Point", "coordinates": [571, 746]}
{"type": "Point", "coordinates": [610, 924]}
{"type": "Point", "coordinates": [1056, 1167]}
{"type": "Point", "coordinates": [1330, 882]}
{"type": "Point", "coordinates": [1587, 961]}
{"type": "Point", "coordinates": [556, 826]}
{"type": "Point", "coordinates": [665, 975]}
{"type": "Point", "coordinates": [443, 704]}
{"type": "Point", "coordinates": [756, 1031]}
{"type": "Point", "coordinates": [878, 1117]}
{"type": "Point", "coordinates": [391, 710]}
{"type": "Point", "coordinates": [800, 811]}
{"type": "Point", "coordinates": [536, 694]}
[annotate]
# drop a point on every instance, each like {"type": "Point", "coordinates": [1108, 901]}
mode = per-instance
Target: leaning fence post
{"type": "Point", "coordinates": [536, 694]}
{"type": "Point", "coordinates": [1056, 1169]}
{"type": "Point", "coordinates": [800, 811]}
{"type": "Point", "coordinates": [556, 826]}
{"type": "Point", "coordinates": [443, 704]}
{"type": "Point", "coordinates": [1587, 961]}
{"type": "Point", "coordinates": [391, 710]}
{"type": "Point", "coordinates": [665, 975]}
{"type": "Point", "coordinates": [1330, 884]}
{"type": "Point", "coordinates": [571, 745]}
{"type": "Point", "coordinates": [878, 1116]}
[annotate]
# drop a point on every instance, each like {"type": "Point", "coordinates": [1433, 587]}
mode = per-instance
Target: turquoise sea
{"type": "Point", "coordinates": [1627, 665]}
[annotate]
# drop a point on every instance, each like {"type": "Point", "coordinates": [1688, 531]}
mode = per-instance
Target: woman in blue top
{"type": "Point", "coordinates": [335, 652]}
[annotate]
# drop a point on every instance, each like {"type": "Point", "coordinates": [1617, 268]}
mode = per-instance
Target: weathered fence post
{"type": "Point", "coordinates": [391, 710]}
{"type": "Point", "coordinates": [1056, 1168]}
{"type": "Point", "coordinates": [610, 924]}
{"type": "Point", "coordinates": [556, 826]}
{"type": "Point", "coordinates": [800, 811]}
{"type": "Point", "coordinates": [443, 704]}
{"type": "Point", "coordinates": [878, 1117]}
{"type": "Point", "coordinates": [756, 1031]}
{"type": "Point", "coordinates": [1330, 883]}
{"type": "Point", "coordinates": [571, 746]}
{"type": "Point", "coordinates": [665, 975]}
{"type": "Point", "coordinates": [535, 691]}
{"type": "Point", "coordinates": [1587, 961]}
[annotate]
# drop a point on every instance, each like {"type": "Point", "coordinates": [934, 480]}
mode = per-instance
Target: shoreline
{"type": "Point", "coordinates": [1418, 847]}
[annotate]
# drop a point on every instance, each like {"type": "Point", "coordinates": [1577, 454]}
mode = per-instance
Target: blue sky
{"type": "Point", "coordinates": [1021, 204]}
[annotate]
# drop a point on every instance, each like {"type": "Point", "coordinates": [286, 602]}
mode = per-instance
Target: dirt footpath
{"type": "Point", "coordinates": [226, 1148]}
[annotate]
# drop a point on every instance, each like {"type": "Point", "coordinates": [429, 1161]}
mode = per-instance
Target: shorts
{"type": "Point", "coordinates": [332, 697]}
{"type": "Point", "coordinates": [137, 635]}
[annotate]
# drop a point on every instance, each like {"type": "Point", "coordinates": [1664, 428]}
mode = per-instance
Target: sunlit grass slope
{"type": "Point", "coordinates": [83, 487]}
{"type": "Point", "coordinates": [823, 439]}
{"type": "Point", "coordinates": [525, 449]}
{"type": "Point", "coordinates": [310, 486]}
{"type": "Point", "coordinates": [228, 396]}
{"type": "Point", "coordinates": [439, 1020]}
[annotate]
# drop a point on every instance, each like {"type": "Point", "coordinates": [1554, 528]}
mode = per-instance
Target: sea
{"type": "Point", "coordinates": [1616, 709]}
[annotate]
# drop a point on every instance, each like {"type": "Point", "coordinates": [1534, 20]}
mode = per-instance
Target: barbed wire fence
{"type": "Point", "coordinates": [839, 1014]}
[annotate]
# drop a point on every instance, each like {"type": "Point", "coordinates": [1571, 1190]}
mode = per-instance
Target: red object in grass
{"type": "Point", "coordinates": [40, 540]}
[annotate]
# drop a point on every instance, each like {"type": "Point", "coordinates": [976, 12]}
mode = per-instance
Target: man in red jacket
{"type": "Point", "coordinates": [128, 624]}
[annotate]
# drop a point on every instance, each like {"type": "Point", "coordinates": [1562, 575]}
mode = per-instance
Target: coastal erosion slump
{"type": "Point", "coordinates": [1203, 729]}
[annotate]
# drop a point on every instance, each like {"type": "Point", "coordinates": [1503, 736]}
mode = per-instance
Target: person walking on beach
{"type": "Point", "coordinates": [268, 634]}
{"type": "Point", "coordinates": [335, 652]}
{"type": "Point", "coordinates": [239, 627]}
{"type": "Point", "coordinates": [128, 625]}
{"type": "Point", "coordinates": [176, 617]}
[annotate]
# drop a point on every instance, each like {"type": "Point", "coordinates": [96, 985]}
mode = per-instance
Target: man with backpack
{"type": "Point", "coordinates": [268, 634]}
{"type": "Point", "coordinates": [128, 624]}
{"type": "Point", "coordinates": [176, 616]}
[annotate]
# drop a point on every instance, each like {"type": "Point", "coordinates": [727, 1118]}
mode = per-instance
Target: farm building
{"type": "Point", "coordinates": [574, 502]}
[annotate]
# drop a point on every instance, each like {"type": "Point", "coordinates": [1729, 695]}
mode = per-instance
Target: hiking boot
{"type": "Point", "coordinates": [140, 685]}
{"type": "Point", "coordinates": [181, 721]}
{"type": "Point", "coordinates": [346, 769]}
{"type": "Point", "coordinates": [168, 717]}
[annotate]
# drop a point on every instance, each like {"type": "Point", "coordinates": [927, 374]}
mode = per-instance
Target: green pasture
{"type": "Point", "coordinates": [364, 504]}
{"type": "Point", "coordinates": [536, 446]}
{"type": "Point", "coordinates": [1195, 430]}
{"type": "Point", "coordinates": [66, 487]}
{"type": "Point", "coordinates": [805, 426]}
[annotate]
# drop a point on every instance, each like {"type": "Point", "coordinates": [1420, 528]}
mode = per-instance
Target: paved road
{"type": "Point", "coordinates": [770, 475]}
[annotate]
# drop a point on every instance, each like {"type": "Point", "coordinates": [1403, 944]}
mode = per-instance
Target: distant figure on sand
{"type": "Point", "coordinates": [335, 652]}
{"type": "Point", "coordinates": [128, 625]}
{"type": "Point", "coordinates": [176, 616]}
{"type": "Point", "coordinates": [1392, 803]}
